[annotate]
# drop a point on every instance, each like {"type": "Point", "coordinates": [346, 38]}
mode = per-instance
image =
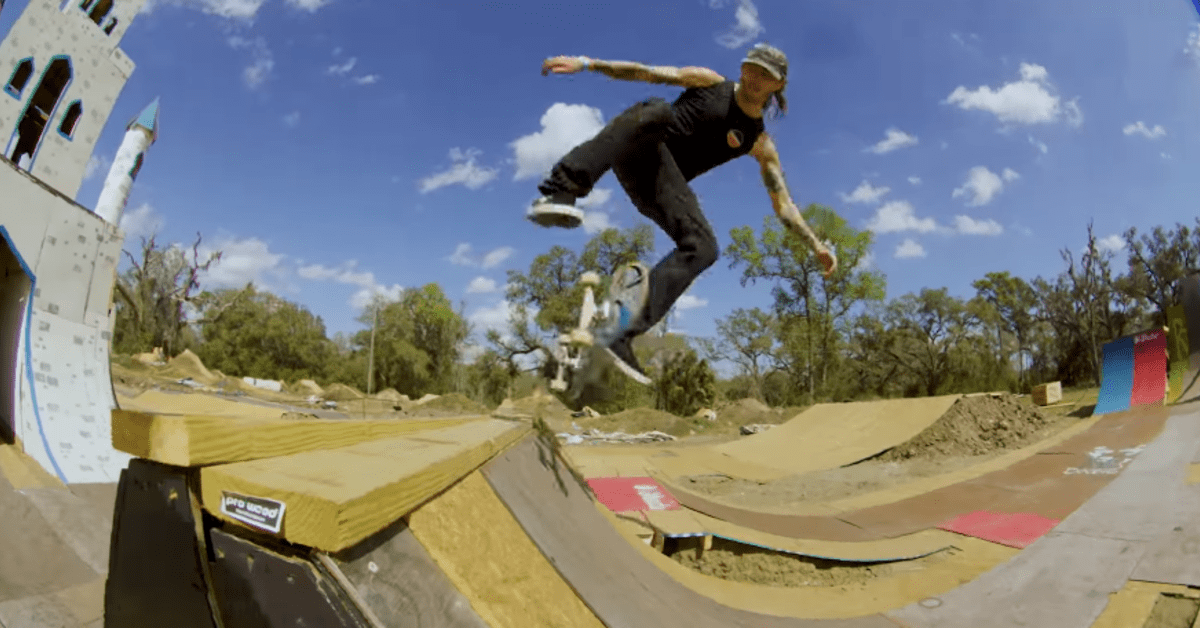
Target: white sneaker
{"type": "Point", "coordinates": [546, 213]}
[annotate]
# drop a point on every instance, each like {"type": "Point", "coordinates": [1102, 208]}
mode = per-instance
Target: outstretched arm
{"type": "Point", "coordinates": [772, 173]}
{"type": "Point", "coordinates": [633, 71]}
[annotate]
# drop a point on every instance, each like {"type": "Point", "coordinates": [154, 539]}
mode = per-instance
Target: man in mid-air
{"type": "Point", "coordinates": [655, 149]}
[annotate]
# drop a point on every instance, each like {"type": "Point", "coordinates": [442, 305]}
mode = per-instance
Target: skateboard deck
{"type": "Point", "coordinates": [627, 296]}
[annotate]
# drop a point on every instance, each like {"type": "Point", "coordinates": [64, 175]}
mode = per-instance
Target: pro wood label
{"type": "Point", "coordinates": [259, 512]}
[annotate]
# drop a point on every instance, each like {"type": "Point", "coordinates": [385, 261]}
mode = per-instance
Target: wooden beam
{"type": "Point", "coordinates": [332, 499]}
{"type": "Point", "coordinates": [196, 440]}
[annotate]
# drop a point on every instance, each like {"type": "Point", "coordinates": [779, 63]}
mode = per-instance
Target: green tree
{"type": "Point", "coordinates": [746, 338]}
{"type": "Point", "coordinates": [1015, 302]}
{"type": "Point", "coordinates": [932, 324]}
{"type": "Point", "coordinates": [152, 297]}
{"type": "Point", "coordinates": [258, 334]}
{"type": "Point", "coordinates": [685, 384]}
{"type": "Point", "coordinates": [418, 340]}
{"type": "Point", "coordinates": [800, 289]}
{"type": "Point", "coordinates": [1157, 262]}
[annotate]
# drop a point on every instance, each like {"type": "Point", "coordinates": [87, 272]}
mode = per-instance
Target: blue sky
{"type": "Point", "coordinates": [333, 148]}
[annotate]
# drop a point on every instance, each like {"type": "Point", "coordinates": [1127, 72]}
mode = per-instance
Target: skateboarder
{"type": "Point", "coordinates": [655, 149]}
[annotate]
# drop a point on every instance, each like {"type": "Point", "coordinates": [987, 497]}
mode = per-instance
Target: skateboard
{"type": "Point", "coordinates": [581, 353]}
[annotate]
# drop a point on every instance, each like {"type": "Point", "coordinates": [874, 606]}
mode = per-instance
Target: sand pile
{"type": "Point", "coordinates": [639, 420]}
{"type": "Point", "coordinates": [391, 394]}
{"type": "Point", "coordinates": [742, 563]}
{"type": "Point", "coordinates": [342, 392]}
{"type": "Point", "coordinates": [452, 403]}
{"type": "Point", "coordinates": [308, 387]}
{"type": "Point", "coordinates": [748, 410]}
{"type": "Point", "coordinates": [975, 426]}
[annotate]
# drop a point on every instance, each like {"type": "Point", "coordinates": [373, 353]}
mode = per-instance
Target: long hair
{"type": "Point", "coordinates": [776, 105]}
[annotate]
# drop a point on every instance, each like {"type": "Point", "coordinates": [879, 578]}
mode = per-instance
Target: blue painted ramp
{"type": "Point", "coordinates": [1116, 377]}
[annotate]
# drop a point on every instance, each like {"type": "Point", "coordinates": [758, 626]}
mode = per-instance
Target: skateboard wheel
{"type": "Point", "coordinates": [580, 337]}
{"type": "Point", "coordinates": [590, 278]}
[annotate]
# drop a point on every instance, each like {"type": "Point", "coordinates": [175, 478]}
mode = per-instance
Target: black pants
{"type": "Point", "coordinates": [632, 146]}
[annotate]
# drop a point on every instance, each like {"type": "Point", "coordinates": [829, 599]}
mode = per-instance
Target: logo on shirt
{"type": "Point", "coordinates": [735, 138]}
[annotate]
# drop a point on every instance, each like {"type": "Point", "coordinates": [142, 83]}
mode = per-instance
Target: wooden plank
{"type": "Point", "coordinates": [335, 498]}
{"type": "Point", "coordinates": [189, 440]}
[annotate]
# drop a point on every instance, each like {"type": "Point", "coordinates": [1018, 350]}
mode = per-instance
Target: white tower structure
{"type": "Point", "coordinates": [140, 133]}
{"type": "Point", "coordinates": [59, 259]}
{"type": "Point", "coordinates": [64, 72]}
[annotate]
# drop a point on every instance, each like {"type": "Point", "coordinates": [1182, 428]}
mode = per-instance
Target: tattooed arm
{"type": "Point", "coordinates": [633, 71]}
{"type": "Point", "coordinates": [772, 173]}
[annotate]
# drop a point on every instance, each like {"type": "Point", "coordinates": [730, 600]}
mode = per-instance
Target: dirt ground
{"type": "Point", "coordinates": [743, 563]}
{"type": "Point", "coordinates": [974, 430]}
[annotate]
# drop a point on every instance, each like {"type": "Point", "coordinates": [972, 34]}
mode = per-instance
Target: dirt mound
{"type": "Point", "coordinates": [308, 387]}
{"type": "Point", "coordinates": [391, 394]}
{"type": "Point", "coordinates": [733, 561]}
{"type": "Point", "coordinates": [538, 405]}
{"type": "Point", "coordinates": [342, 392]}
{"type": "Point", "coordinates": [452, 403]}
{"type": "Point", "coordinates": [749, 410]}
{"type": "Point", "coordinates": [975, 426]}
{"type": "Point", "coordinates": [187, 364]}
{"type": "Point", "coordinates": [638, 420]}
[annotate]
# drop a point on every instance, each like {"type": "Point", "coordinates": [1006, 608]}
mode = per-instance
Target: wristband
{"type": "Point", "coordinates": [587, 63]}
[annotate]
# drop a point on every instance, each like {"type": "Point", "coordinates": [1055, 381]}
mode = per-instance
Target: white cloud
{"type": "Point", "coordinates": [481, 285]}
{"type": "Point", "coordinates": [462, 256]}
{"type": "Point", "coordinates": [292, 119]}
{"type": "Point", "coordinates": [563, 127]}
{"type": "Point", "coordinates": [899, 216]}
{"type": "Point", "coordinates": [1010, 175]}
{"type": "Point", "coordinates": [1041, 146]}
{"type": "Point", "coordinates": [689, 302]}
{"type": "Point", "coordinates": [597, 221]}
{"type": "Point", "coordinates": [308, 5]}
{"type": "Point", "coordinates": [1029, 100]}
{"type": "Point", "coordinates": [914, 180]}
{"type": "Point", "coordinates": [95, 165]}
{"type": "Point", "coordinates": [363, 298]}
{"type": "Point", "coordinates": [1140, 128]}
{"type": "Point", "coordinates": [969, 226]}
{"type": "Point", "coordinates": [346, 273]}
{"type": "Point", "coordinates": [982, 185]}
{"type": "Point", "coordinates": [1165, 155]}
{"type": "Point", "coordinates": [746, 26]}
{"type": "Point", "coordinates": [908, 249]}
{"type": "Point", "coordinates": [1111, 243]}
{"type": "Point", "coordinates": [492, 317]}
{"type": "Point", "coordinates": [1192, 48]}
{"type": "Point", "coordinates": [262, 61]}
{"type": "Point", "coordinates": [369, 79]}
{"type": "Point", "coordinates": [865, 262]}
{"type": "Point", "coordinates": [596, 198]}
{"type": "Point", "coordinates": [142, 222]}
{"type": "Point", "coordinates": [866, 193]}
{"type": "Point", "coordinates": [343, 68]}
{"type": "Point", "coordinates": [495, 257]}
{"type": "Point", "coordinates": [894, 139]}
{"type": "Point", "coordinates": [243, 260]}
{"type": "Point", "coordinates": [464, 171]}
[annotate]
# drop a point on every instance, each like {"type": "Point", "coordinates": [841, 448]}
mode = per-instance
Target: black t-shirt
{"type": "Point", "coordinates": [708, 128]}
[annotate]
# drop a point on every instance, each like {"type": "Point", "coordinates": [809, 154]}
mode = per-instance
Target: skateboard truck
{"type": "Point", "coordinates": [579, 338]}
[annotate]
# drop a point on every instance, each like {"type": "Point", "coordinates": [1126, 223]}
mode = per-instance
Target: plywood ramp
{"type": "Point", "coordinates": [475, 541]}
{"type": "Point", "coordinates": [335, 498]}
{"type": "Point", "coordinates": [628, 584]}
{"type": "Point", "coordinates": [831, 435]}
{"type": "Point", "coordinates": [189, 440]}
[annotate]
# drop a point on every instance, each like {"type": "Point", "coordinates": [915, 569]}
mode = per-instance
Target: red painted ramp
{"type": "Point", "coordinates": [628, 494]}
{"type": "Point", "coordinates": [1012, 529]}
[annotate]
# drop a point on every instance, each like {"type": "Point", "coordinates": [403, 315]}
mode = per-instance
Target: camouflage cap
{"type": "Point", "coordinates": [769, 58]}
